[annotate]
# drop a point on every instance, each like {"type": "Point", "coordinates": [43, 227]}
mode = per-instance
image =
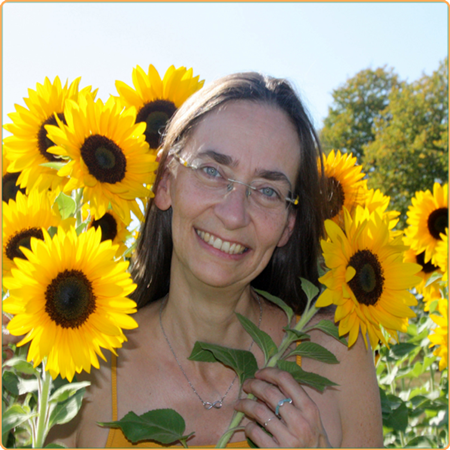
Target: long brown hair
{"type": "Point", "coordinates": [299, 257]}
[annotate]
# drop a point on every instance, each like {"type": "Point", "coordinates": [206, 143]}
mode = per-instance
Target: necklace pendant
{"type": "Point", "coordinates": [217, 404]}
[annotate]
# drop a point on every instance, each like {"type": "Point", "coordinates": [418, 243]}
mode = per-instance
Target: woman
{"type": "Point", "coordinates": [237, 205]}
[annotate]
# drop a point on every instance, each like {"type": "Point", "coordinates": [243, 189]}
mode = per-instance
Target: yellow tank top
{"type": "Point", "coordinates": [116, 438]}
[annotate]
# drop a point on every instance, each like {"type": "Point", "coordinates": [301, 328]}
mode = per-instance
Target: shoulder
{"type": "Point", "coordinates": [357, 394]}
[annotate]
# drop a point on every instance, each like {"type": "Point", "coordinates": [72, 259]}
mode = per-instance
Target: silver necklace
{"type": "Point", "coordinates": [218, 403]}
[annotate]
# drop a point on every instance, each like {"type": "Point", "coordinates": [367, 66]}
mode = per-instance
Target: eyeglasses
{"type": "Point", "coordinates": [210, 176]}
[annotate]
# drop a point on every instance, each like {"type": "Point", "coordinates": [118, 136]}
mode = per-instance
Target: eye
{"type": "Point", "coordinates": [270, 193]}
{"type": "Point", "coordinates": [210, 171]}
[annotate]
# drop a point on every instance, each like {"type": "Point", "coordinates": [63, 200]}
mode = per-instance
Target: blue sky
{"type": "Point", "coordinates": [316, 45]}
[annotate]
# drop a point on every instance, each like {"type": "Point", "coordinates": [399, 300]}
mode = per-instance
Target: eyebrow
{"type": "Point", "coordinates": [227, 160]}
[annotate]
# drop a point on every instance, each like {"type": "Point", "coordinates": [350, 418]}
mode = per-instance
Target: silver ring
{"type": "Point", "coordinates": [265, 423]}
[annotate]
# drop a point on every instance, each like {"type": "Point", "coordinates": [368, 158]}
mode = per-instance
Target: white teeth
{"type": "Point", "coordinates": [224, 246]}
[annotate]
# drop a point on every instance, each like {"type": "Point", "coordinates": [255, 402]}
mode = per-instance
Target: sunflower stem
{"type": "Point", "coordinates": [43, 394]}
{"type": "Point", "coordinates": [78, 197]}
{"type": "Point", "coordinates": [286, 342]}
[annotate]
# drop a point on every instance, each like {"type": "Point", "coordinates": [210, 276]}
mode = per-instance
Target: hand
{"type": "Point", "coordinates": [8, 338]}
{"type": "Point", "coordinates": [298, 425]}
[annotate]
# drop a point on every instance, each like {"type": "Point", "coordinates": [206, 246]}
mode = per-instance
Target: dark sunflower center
{"type": "Point", "coordinates": [367, 284]}
{"type": "Point", "coordinates": [104, 158]}
{"type": "Point", "coordinates": [22, 239]}
{"type": "Point", "coordinates": [438, 222]}
{"type": "Point", "coordinates": [336, 197]}
{"type": "Point", "coordinates": [70, 299]}
{"type": "Point", "coordinates": [108, 225]}
{"type": "Point", "coordinates": [10, 187]}
{"type": "Point", "coordinates": [44, 143]}
{"type": "Point", "coordinates": [156, 115]}
{"type": "Point", "coordinates": [426, 267]}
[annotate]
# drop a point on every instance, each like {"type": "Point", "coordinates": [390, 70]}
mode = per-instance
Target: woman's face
{"type": "Point", "coordinates": [227, 239]}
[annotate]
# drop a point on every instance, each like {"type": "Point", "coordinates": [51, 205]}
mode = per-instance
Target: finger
{"type": "Point", "coordinates": [259, 436]}
{"type": "Point", "coordinates": [266, 392]}
{"type": "Point", "coordinates": [286, 384]}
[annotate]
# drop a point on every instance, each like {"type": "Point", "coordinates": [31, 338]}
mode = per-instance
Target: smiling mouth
{"type": "Point", "coordinates": [227, 247]}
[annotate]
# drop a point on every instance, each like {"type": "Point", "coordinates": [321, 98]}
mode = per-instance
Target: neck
{"type": "Point", "coordinates": [208, 316]}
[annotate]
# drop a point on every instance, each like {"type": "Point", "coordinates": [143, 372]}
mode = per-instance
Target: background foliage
{"type": "Point", "coordinates": [397, 129]}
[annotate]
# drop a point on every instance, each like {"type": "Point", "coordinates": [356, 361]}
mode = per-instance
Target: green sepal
{"type": "Point", "coordinates": [287, 309]}
{"type": "Point", "coordinates": [242, 361]}
{"type": "Point", "coordinates": [328, 327]}
{"type": "Point", "coordinates": [261, 338]}
{"type": "Point", "coordinates": [311, 379]}
{"type": "Point", "coordinates": [161, 425]}
{"type": "Point", "coordinates": [314, 351]}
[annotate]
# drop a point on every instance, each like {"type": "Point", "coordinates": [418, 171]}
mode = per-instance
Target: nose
{"type": "Point", "coordinates": [232, 210]}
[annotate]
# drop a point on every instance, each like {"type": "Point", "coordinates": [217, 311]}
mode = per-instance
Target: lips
{"type": "Point", "coordinates": [232, 248]}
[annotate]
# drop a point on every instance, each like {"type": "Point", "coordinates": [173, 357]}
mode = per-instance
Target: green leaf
{"type": "Point", "coordinates": [261, 338]}
{"type": "Point", "coordinates": [27, 385]}
{"type": "Point", "coordinates": [287, 309]}
{"type": "Point", "coordinates": [299, 335]}
{"type": "Point", "coordinates": [309, 289]}
{"type": "Point", "coordinates": [398, 419]}
{"type": "Point", "coordinates": [53, 445]}
{"type": "Point", "coordinates": [54, 165]}
{"type": "Point", "coordinates": [161, 425]}
{"type": "Point", "coordinates": [10, 382]}
{"type": "Point", "coordinates": [421, 442]}
{"type": "Point", "coordinates": [433, 277]}
{"type": "Point", "coordinates": [328, 327]}
{"type": "Point", "coordinates": [402, 349]}
{"type": "Point", "coordinates": [311, 379]}
{"type": "Point", "coordinates": [65, 411]}
{"type": "Point", "coordinates": [14, 416]}
{"type": "Point", "coordinates": [242, 361]}
{"type": "Point", "coordinates": [200, 354]}
{"type": "Point", "coordinates": [66, 205]}
{"type": "Point", "coordinates": [314, 351]}
{"type": "Point", "coordinates": [21, 365]}
{"type": "Point", "coordinates": [66, 391]}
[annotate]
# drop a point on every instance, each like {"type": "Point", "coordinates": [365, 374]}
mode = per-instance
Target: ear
{"type": "Point", "coordinates": [287, 232]}
{"type": "Point", "coordinates": [163, 199]}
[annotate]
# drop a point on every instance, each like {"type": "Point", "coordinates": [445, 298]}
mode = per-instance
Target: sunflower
{"type": "Point", "coordinates": [441, 255]}
{"type": "Point", "coordinates": [440, 336]}
{"type": "Point", "coordinates": [24, 218]}
{"type": "Point", "coordinates": [112, 228]}
{"type": "Point", "coordinates": [27, 148]}
{"type": "Point", "coordinates": [70, 303]}
{"type": "Point", "coordinates": [367, 280]}
{"type": "Point", "coordinates": [427, 220]}
{"type": "Point", "coordinates": [376, 200]}
{"type": "Point", "coordinates": [9, 182]}
{"type": "Point", "coordinates": [109, 157]}
{"type": "Point", "coordinates": [429, 291]}
{"type": "Point", "coordinates": [345, 185]}
{"type": "Point", "coordinates": [157, 100]}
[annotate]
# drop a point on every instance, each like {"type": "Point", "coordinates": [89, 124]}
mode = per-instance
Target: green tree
{"type": "Point", "coordinates": [409, 151]}
{"type": "Point", "coordinates": [356, 104]}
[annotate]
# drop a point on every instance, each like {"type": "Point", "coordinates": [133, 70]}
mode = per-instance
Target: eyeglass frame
{"type": "Point", "coordinates": [249, 187]}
